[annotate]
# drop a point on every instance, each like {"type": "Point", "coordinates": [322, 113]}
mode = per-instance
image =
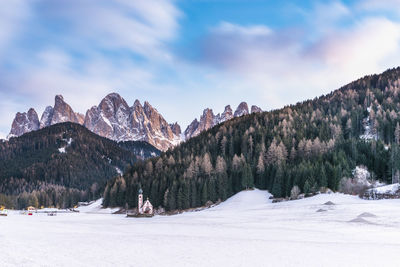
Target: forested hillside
{"type": "Point", "coordinates": [61, 165]}
{"type": "Point", "coordinates": [312, 144]}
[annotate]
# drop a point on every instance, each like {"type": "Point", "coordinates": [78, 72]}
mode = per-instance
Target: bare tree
{"type": "Point", "coordinates": [206, 164]}
{"type": "Point", "coordinates": [220, 166]}
{"type": "Point", "coordinates": [260, 164]}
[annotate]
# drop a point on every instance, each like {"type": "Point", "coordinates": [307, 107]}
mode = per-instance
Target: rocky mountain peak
{"type": "Point", "coordinates": [59, 98]}
{"type": "Point", "coordinates": [209, 120]}
{"type": "Point", "coordinates": [112, 102]}
{"type": "Point", "coordinates": [255, 109]}
{"type": "Point", "coordinates": [24, 122]}
{"type": "Point", "coordinates": [114, 107]}
{"type": "Point", "coordinates": [61, 112]}
{"type": "Point", "coordinates": [114, 119]}
{"type": "Point", "coordinates": [241, 110]}
{"type": "Point", "coordinates": [227, 114]}
{"type": "Point", "coordinates": [46, 117]}
{"type": "Point", "coordinates": [176, 128]}
{"type": "Point", "coordinates": [149, 110]}
{"type": "Point", "coordinates": [191, 129]}
{"type": "Point", "coordinates": [137, 103]}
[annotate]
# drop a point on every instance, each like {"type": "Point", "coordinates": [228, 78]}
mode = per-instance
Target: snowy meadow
{"type": "Point", "coordinates": [245, 230]}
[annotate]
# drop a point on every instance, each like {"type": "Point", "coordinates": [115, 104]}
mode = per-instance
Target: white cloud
{"type": "Point", "coordinates": [250, 31]}
{"type": "Point", "coordinates": [369, 45]}
{"type": "Point", "coordinates": [288, 65]}
{"type": "Point", "coordinates": [376, 5]}
{"type": "Point", "coordinates": [329, 12]}
{"type": "Point", "coordinates": [141, 27]}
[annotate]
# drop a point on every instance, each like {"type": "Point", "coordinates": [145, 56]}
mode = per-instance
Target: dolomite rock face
{"type": "Point", "coordinates": [115, 119]}
{"type": "Point", "coordinates": [255, 109]}
{"type": "Point", "coordinates": [209, 120]}
{"type": "Point", "coordinates": [176, 128]}
{"type": "Point", "coordinates": [61, 112]}
{"type": "Point", "coordinates": [24, 122]}
{"type": "Point", "coordinates": [226, 115]}
{"type": "Point", "coordinates": [241, 110]}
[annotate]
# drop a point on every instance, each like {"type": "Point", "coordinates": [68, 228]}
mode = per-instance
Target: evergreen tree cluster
{"type": "Point", "coordinates": [299, 148]}
{"type": "Point", "coordinates": [62, 164]}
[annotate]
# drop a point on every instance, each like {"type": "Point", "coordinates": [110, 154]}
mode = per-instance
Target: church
{"type": "Point", "coordinates": [146, 208]}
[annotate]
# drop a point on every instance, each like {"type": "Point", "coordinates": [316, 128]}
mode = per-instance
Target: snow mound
{"type": "Point", "coordinates": [96, 207]}
{"type": "Point", "coordinates": [360, 220]}
{"type": "Point", "coordinates": [366, 215]}
{"type": "Point", "coordinates": [243, 200]}
{"type": "Point", "coordinates": [387, 189]}
{"type": "Point", "coordinates": [329, 203]}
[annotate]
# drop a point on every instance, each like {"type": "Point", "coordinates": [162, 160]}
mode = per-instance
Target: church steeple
{"type": "Point", "coordinates": [140, 200]}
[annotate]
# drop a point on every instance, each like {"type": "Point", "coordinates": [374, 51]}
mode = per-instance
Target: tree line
{"type": "Point", "coordinates": [62, 164]}
{"type": "Point", "coordinates": [309, 146]}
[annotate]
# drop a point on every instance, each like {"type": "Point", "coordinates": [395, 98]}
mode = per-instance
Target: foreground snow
{"type": "Point", "coordinates": [246, 230]}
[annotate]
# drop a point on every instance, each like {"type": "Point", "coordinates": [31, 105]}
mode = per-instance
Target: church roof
{"type": "Point", "coordinates": [147, 201]}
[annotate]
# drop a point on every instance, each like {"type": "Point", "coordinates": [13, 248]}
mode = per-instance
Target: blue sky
{"type": "Point", "coordinates": [184, 56]}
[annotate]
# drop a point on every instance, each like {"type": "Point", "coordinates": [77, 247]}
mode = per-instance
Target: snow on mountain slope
{"type": "Point", "coordinates": [369, 131]}
{"type": "Point", "coordinates": [96, 207]}
{"type": "Point", "coordinates": [246, 230]}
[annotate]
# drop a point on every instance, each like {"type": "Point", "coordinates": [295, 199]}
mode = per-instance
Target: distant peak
{"type": "Point", "coordinates": [242, 105]}
{"type": "Point", "coordinates": [255, 109]}
{"type": "Point", "coordinates": [31, 111]}
{"type": "Point", "coordinates": [242, 109]}
{"type": "Point", "coordinates": [227, 108]}
{"type": "Point", "coordinates": [113, 95]}
{"type": "Point", "coordinates": [208, 111]}
{"type": "Point", "coordinates": [149, 108]}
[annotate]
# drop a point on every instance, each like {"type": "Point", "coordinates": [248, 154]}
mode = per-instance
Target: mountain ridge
{"type": "Point", "coordinates": [113, 118]}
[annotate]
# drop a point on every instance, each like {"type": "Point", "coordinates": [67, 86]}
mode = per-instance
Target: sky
{"type": "Point", "coordinates": [185, 55]}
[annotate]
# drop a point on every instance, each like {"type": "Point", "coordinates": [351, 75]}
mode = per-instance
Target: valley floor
{"type": "Point", "coordinates": [246, 230]}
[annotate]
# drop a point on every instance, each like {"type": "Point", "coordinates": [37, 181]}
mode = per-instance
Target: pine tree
{"type": "Point", "coordinates": [277, 186]}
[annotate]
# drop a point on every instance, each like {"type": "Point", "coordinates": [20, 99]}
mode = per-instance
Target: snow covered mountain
{"type": "Point", "coordinates": [113, 118]}
{"type": "Point", "coordinates": [209, 120]}
{"type": "Point", "coordinates": [24, 122]}
{"type": "Point", "coordinates": [241, 110]}
{"type": "Point", "coordinates": [61, 112]}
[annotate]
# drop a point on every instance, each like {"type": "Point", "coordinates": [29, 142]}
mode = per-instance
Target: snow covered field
{"type": "Point", "coordinates": [246, 230]}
